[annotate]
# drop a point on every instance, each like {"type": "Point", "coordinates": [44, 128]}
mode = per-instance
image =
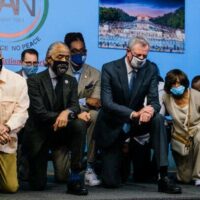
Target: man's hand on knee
{"type": "Point", "coordinates": [61, 120]}
{"type": "Point", "coordinates": [85, 116]}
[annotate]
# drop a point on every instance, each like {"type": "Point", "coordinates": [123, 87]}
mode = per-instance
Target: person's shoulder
{"type": "Point", "coordinates": [70, 78]}
{"type": "Point", "coordinates": [15, 79]}
{"type": "Point", "coordinates": [195, 93]}
{"type": "Point", "coordinates": [152, 65]}
{"type": "Point", "coordinates": [13, 75]}
{"type": "Point", "coordinates": [165, 96]}
{"type": "Point", "coordinates": [91, 69]}
{"type": "Point", "coordinates": [40, 74]}
{"type": "Point", "coordinates": [114, 63]}
{"type": "Point", "coordinates": [38, 77]}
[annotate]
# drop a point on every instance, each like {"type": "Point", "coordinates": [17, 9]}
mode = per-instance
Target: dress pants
{"type": "Point", "coordinates": [188, 167]}
{"type": "Point", "coordinates": [8, 173]}
{"type": "Point", "coordinates": [90, 138]}
{"type": "Point", "coordinates": [69, 138]}
{"type": "Point", "coordinates": [111, 165]}
{"type": "Point", "coordinates": [112, 156]}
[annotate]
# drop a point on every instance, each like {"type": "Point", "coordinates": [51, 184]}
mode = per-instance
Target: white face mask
{"type": "Point", "coordinates": [137, 63]}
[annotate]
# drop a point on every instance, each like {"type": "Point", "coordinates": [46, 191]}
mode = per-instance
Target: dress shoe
{"type": "Point", "coordinates": [76, 188]}
{"type": "Point", "coordinates": [168, 186]}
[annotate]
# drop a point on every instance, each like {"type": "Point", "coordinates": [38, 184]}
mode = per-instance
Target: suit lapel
{"type": "Point", "coordinates": [123, 78]}
{"type": "Point", "coordinates": [83, 79]}
{"type": "Point", "coordinates": [48, 87]}
{"type": "Point", "coordinates": [69, 71]}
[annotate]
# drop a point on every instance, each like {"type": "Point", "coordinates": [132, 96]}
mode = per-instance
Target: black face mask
{"type": "Point", "coordinates": [1, 64]}
{"type": "Point", "coordinates": [60, 67]}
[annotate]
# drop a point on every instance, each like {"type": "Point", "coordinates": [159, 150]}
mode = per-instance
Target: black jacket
{"type": "Point", "coordinates": [41, 113]}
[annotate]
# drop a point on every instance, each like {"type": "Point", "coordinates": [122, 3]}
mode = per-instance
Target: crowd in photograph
{"type": "Point", "coordinates": [98, 128]}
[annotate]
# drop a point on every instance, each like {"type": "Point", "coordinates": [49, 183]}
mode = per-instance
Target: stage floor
{"type": "Point", "coordinates": [130, 191]}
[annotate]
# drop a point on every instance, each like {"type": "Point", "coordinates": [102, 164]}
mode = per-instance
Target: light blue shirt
{"type": "Point", "coordinates": [77, 74]}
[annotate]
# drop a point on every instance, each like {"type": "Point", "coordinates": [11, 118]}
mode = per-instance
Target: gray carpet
{"type": "Point", "coordinates": [129, 191]}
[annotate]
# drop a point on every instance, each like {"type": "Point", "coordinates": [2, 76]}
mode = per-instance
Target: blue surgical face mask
{"type": "Point", "coordinates": [30, 70]}
{"type": "Point", "coordinates": [78, 59]}
{"type": "Point", "coordinates": [178, 91]}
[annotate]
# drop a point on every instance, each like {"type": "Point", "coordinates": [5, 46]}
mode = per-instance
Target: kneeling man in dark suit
{"type": "Point", "coordinates": [52, 124]}
{"type": "Point", "coordinates": [124, 85]}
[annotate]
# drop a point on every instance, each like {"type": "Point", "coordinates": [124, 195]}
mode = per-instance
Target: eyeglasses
{"type": "Point", "coordinates": [29, 63]}
{"type": "Point", "coordinates": [139, 55]}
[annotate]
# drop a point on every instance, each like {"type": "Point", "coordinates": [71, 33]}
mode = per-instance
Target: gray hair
{"type": "Point", "coordinates": [137, 40]}
{"type": "Point", "coordinates": [50, 50]}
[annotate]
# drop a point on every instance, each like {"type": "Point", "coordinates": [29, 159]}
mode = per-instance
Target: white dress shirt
{"type": "Point", "coordinates": [14, 102]}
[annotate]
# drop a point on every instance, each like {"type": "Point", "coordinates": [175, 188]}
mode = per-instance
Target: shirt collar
{"type": "Point", "coordinates": [77, 72]}
{"type": "Point", "coordinates": [128, 67]}
{"type": "Point", "coordinates": [51, 73]}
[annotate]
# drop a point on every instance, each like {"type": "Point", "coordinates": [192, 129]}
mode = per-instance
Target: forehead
{"type": "Point", "coordinates": [60, 49]}
{"type": "Point", "coordinates": [30, 56]}
{"type": "Point", "coordinates": [140, 48]}
{"type": "Point", "coordinates": [77, 45]}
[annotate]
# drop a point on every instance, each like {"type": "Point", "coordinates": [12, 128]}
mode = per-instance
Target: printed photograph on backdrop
{"type": "Point", "coordinates": [161, 22]}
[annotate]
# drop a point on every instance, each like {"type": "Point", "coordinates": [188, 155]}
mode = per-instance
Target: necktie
{"type": "Point", "coordinates": [58, 105]}
{"type": "Point", "coordinates": [126, 127]}
{"type": "Point", "coordinates": [58, 87]}
{"type": "Point", "coordinates": [132, 81]}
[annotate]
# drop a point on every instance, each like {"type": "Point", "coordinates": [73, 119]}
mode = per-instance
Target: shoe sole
{"type": "Point", "coordinates": [78, 194]}
{"type": "Point", "coordinates": [170, 192]}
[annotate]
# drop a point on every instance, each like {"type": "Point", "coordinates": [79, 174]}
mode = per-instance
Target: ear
{"type": "Point", "coordinates": [49, 61]}
{"type": "Point", "coordinates": [128, 53]}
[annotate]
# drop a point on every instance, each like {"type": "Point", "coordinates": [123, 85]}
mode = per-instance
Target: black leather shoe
{"type": "Point", "coordinates": [76, 188]}
{"type": "Point", "coordinates": [168, 186]}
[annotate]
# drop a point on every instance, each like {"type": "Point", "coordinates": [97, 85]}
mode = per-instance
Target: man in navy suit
{"type": "Point", "coordinates": [124, 85]}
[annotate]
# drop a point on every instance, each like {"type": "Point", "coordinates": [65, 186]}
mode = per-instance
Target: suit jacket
{"type": "Point", "coordinates": [41, 113]}
{"type": "Point", "coordinates": [117, 104]}
{"type": "Point", "coordinates": [89, 83]}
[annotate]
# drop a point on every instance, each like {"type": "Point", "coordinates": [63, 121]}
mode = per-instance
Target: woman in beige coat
{"type": "Point", "coordinates": [176, 101]}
